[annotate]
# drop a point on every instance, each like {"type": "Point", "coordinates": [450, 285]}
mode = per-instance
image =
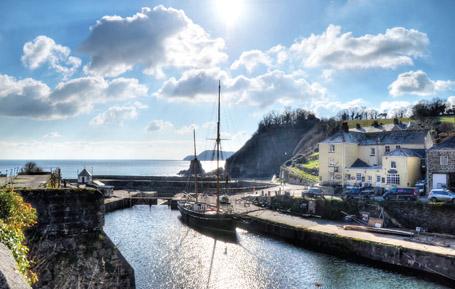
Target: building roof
{"type": "Point", "coordinates": [84, 173]}
{"type": "Point", "coordinates": [381, 128]}
{"type": "Point", "coordinates": [402, 152]}
{"type": "Point", "coordinates": [359, 164]}
{"type": "Point", "coordinates": [447, 144]}
{"type": "Point", "coordinates": [383, 137]}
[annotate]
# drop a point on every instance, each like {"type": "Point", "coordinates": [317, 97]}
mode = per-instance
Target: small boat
{"type": "Point", "coordinates": [202, 214]}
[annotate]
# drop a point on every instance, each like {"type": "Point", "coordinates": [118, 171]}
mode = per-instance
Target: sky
{"type": "Point", "coordinates": [131, 79]}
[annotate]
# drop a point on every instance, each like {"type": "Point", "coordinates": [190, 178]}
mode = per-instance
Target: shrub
{"type": "Point", "coordinates": [15, 217]}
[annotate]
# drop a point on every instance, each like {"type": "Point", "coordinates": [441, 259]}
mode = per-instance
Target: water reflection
{"type": "Point", "coordinates": [166, 253]}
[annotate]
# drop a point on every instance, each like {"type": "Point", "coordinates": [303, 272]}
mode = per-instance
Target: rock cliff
{"type": "Point", "coordinates": [265, 152]}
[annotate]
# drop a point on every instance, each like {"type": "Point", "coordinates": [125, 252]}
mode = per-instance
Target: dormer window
{"type": "Point", "coordinates": [398, 146]}
{"type": "Point", "coordinates": [331, 148]}
{"type": "Point", "coordinates": [372, 152]}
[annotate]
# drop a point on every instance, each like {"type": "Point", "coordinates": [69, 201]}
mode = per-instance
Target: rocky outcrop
{"type": "Point", "coordinates": [68, 246]}
{"type": "Point", "coordinates": [264, 153]}
{"type": "Point", "coordinates": [10, 278]}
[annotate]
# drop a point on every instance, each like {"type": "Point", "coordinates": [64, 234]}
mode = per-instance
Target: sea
{"type": "Point", "coordinates": [71, 168]}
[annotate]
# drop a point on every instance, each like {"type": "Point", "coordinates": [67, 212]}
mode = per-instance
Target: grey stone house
{"type": "Point", "coordinates": [441, 165]}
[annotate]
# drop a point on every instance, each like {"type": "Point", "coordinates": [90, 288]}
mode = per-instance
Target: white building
{"type": "Point", "coordinates": [84, 177]}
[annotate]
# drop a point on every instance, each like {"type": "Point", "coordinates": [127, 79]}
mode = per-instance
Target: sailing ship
{"type": "Point", "coordinates": [202, 214]}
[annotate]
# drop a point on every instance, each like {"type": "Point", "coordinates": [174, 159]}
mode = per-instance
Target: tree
{"type": "Point", "coordinates": [31, 168]}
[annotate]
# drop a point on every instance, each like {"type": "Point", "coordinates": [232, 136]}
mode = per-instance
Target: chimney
{"type": "Point", "coordinates": [345, 127]}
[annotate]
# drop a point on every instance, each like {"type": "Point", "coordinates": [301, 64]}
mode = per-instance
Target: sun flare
{"type": "Point", "coordinates": [230, 11]}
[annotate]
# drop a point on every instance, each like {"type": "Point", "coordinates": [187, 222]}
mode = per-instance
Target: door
{"type": "Point", "coordinates": [439, 181]}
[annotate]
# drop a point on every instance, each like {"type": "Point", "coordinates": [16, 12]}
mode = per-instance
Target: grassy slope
{"type": "Point", "coordinates": [306, 170]}
{"type": "Point", "coordinates": [369, 122]}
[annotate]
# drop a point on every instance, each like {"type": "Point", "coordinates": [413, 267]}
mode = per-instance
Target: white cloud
{"type": "Point", "coordinates": [43, 50]}
{"type": "Point", "coordinates": [262, 90]}
{"type": "Point", "coordinates": [153, 39]}
{"type": "Point", "coordinates": [158, 125]}
{"type": "Point", "coordinates": [252, 58]}
{"type": "Point", "coordinates": [392, 108]}
{"type": "Point", "coordinates": [336, 50]}
{"type": "Point", "coordinates": [34, 99]}
{"type": "Point", "coordinates": [418, 83]}
{"type": "Point", "coordinates": [117, 114]}
{"type": "Point", "coordinates": [52, 135]}
{"type": "Point", "coordinates": [451, 101]}
{"type": "Point", "coordinates": [331, 105]}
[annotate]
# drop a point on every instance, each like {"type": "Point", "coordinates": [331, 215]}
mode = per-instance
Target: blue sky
{"type": "Point", "coordinates": [130, 79]}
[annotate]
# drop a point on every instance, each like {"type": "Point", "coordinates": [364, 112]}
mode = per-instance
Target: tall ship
{"type": "Point", "coordinates": [205, 215]}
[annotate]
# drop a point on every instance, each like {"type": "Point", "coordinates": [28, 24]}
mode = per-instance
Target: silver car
{"type": "Point", "coordinates": [441, 195]}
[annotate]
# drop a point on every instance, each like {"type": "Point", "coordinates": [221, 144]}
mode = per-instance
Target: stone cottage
{"type": "Point", "coordinates": [441, 165]}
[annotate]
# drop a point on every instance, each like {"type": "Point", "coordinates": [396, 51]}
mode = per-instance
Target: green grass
{"type": "Point", "coordinates": [313, 164]}
{"type": "Point", "coordinates": [369, 122]}
{"type": "Point", "coordinates": [303, 175]}
{"type": "Point", "coordinates": [447, 119]}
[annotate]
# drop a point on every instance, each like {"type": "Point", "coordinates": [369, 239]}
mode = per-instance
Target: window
{"type": "Point", "coordinates": [370, 178]}
{"type": "Point", "coordinates": [331, 148]}
{"type": "Point", "coordinates": [398, 146]}
{"type": "Point", "coordinates": [359, 177]}
{"type": "Point", "coordinates": [393, 179]}
{"type": "Point", "coordinates": [378, 179]}
{"type": "Point", "coordinates": [387, 149]}
{"type": "Point", "coordinates": [444, 160]}
{"type": "Point", "coordinates": [383, 180]}
{"type": "Point", "coordinates": [335, 169]}
{"type": "Point", "coordinates": [372, 152]}
{"type": "Point", "coordinates": [393, 165]}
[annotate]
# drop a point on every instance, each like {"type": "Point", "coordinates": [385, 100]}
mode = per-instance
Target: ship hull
{"type": "Point", "coordinates": [222, 223]}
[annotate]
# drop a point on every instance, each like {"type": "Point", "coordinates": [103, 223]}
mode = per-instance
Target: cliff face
{"type": "Point", "coordinates": [264, 153]}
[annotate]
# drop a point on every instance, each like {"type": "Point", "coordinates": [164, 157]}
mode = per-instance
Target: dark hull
{"type": "Point", "coordinates": [222, 223]}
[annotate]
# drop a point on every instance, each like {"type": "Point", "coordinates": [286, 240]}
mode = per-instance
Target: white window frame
{"type": "Point", "coordinates": [331, 148]}
{"type": "Point", "coordinates": [444, 160]}
{"type": "Point", "coordinates": [393, 164]}
{"type": "Point", "coordinates": [358, 177]}
{"type": "Point", "coordinates": [393, 179]}
{"type": "Point", "coordinates": [372, 152]}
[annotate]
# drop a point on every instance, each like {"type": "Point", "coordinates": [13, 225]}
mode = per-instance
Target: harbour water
{"type": "Point", "coordinates": [167, 254]}
{"type": "Point", "coordinates": [70, 168]}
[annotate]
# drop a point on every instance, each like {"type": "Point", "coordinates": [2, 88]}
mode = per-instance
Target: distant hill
{"type": "Point", "coordinates": [208, 155]}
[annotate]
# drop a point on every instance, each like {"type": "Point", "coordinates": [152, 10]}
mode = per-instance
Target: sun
{"type": "Point", "coordinates": [229, 11]}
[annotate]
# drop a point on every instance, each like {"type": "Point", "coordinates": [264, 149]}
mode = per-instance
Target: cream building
{"type": "Point", "coordinates": [380, 159]}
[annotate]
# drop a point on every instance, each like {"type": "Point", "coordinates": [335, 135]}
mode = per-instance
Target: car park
{"type": "Point", "coordinates": [358, 193]}
{"type": "Point", "coordinates": [312, 192]}
{"type": "Point", "coordinates": [420, 187]}
{"type": "Point", "coordinates": [409, 194]}
{"type": "Point", "coordinates": [441, 195]}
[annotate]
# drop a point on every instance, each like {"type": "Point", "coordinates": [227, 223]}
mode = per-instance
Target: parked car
{"type": "Point", "coordinates": [420, 187]}
{"type": "Point", "coordinates": [312, 192]}
{"type": "Point", "coordinates": [358, 193]}
{"type": "Point", "coordinates": [441, 195]}
{"type": "Point", "coordinates": [400, 194]}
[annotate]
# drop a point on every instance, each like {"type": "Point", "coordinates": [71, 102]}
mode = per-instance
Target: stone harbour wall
{"type": "Point", "coordinates": [68, 246]}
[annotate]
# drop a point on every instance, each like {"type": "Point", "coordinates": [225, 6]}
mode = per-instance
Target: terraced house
{"type": "Point", "coordinates": [381, 159]}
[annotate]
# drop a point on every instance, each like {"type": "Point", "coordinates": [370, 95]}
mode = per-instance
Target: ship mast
{"type": "Point", "coordinates": [195, 168]}
{"type": "Point", "coordinates": [218, 142]}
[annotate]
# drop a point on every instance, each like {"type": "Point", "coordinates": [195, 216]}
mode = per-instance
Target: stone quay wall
{"type": "Point", "coordinates": [167, 186]}
{"type": "Point", "coordinates": [436, 265]}
{"type": "Point", "coordinates": [68, 245]}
